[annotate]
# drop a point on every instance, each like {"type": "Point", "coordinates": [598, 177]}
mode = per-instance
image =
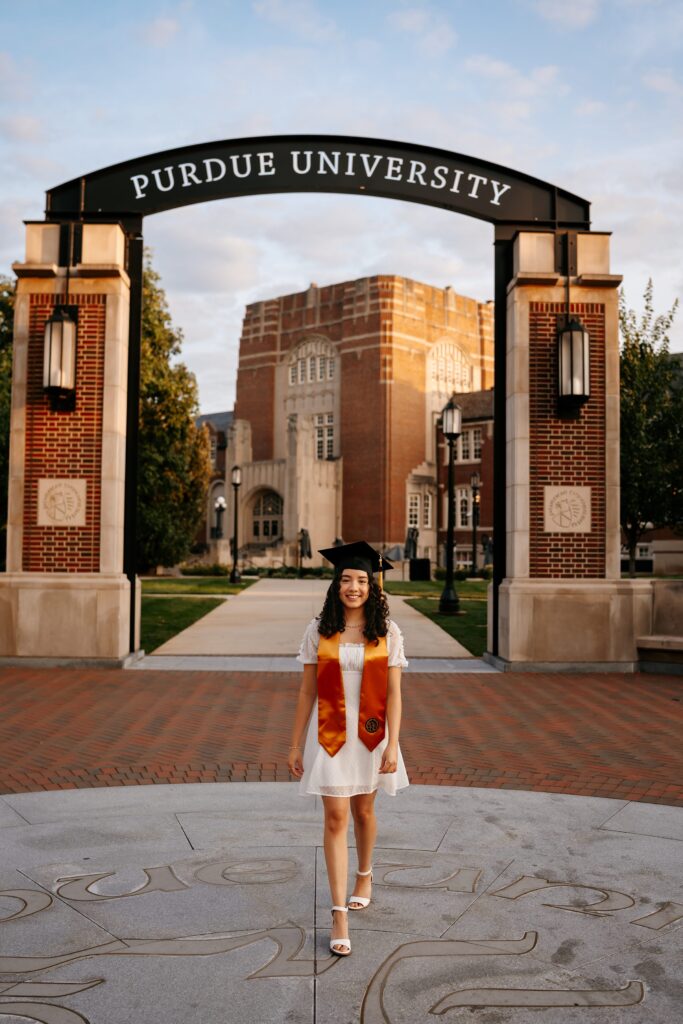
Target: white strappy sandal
{"type": "Point", "coordinates": [344, 943]}
{"type": "Point", "coordinates": [364, 901]}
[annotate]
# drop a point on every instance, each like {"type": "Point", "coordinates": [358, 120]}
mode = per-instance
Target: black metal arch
{"type": "Point", "coordinates": [316, 163]}
{"type": "Point", "coordinates": [129, 191]}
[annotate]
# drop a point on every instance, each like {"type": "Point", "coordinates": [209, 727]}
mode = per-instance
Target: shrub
{"type": "Point", "coordinates": [202, 569]}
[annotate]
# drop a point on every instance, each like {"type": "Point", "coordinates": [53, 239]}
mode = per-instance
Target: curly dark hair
{"type": "Point", "coordinates": [332, 618]}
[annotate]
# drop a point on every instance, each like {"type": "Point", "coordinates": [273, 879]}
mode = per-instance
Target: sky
{"type": "Point", "coordinates": [586, 94]}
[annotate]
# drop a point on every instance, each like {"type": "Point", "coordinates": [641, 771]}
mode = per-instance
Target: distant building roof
{"type": "Point", "coordinates": [220, 421]}
{"type": "Point", "coordinates": [475, 405]}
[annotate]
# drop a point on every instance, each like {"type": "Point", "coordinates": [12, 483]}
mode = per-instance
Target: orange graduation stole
{"type": "Point", "coordinates": [331, 703]}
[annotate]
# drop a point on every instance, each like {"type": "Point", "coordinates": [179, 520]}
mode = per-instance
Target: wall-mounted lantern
{"type": "Point", "coordinates": [59, 357]}
{"type": "Point", "coordinates": [573, 360]}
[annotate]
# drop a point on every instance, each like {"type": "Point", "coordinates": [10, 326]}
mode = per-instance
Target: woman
{"type": "Point", "coordinates": [352, 656]}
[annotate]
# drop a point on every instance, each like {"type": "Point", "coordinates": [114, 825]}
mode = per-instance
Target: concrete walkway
{"type": "Point", "coordinates": [209, 904]}
{"type": "Point", "coordinates": [268, 619]}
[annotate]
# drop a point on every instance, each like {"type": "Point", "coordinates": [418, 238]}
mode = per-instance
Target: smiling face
{"type": "Point", "coordinates": [354, 588]}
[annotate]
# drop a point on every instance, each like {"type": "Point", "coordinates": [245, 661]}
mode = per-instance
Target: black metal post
{"type": "Point", "coordinates": [130, 515]}
{"type": "Point", "coordinates": [449, 604]}
{"type": "Point", "coordinates": [503, 276]}
{"type": "Point", "coordinates": [475, 523]}
{"type": "Point", "coordinates": [234, 575]}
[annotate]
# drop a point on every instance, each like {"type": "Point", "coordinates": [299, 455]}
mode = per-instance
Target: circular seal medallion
{"type": "Point", "coordinates": [568, 510]}
{"type": "Point", "coordinates": [62, 503]}
{"type": "Point", "coordinates": [371, 725]}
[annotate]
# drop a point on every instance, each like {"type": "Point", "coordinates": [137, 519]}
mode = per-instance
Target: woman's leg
{"type": "Point", "coordinates": [365, 830]}
{"type": "Point", "coordinates": [337, 857]}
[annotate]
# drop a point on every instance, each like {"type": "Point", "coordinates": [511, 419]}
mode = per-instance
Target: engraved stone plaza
{"type": "Point", "coordinates": [209, 903]}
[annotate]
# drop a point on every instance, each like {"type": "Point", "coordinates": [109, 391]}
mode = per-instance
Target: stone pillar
{"type": "Point", "coordinates": [563, 602]}
{"type": "Point", "coordinates": [64, 594]}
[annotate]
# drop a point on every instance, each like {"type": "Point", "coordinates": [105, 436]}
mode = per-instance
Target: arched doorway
{"type": "Point", "coordinates": [266, 519]}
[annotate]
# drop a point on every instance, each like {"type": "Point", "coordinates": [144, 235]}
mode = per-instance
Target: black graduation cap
{"type": "Point", "coordinates": [358, 555]}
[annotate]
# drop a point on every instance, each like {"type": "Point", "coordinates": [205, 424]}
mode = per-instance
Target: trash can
{"type": "Point", "coordinates": [420, 569]}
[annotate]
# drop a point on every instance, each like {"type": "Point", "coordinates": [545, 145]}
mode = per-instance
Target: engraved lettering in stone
{"type": "Point", "coordinates": [168, 171]}
{"type": "Point", "coordinates": [439, 177]}
{"type": "Point", "coordinates": [42, 1013]}
{"type": "Point", "coordinates": [373, 1011]}
{"type": "Point", "coordinates": [289, 940]}
{"type": "Point", "coordinates": [140, 183]}
{"type": "Point", "coordinates": [32, 899]}
{"type": "Point", "coordinates": [265, 164]}
{"type": "Point", "coordinates": [221, 169]}
{"type": "Point", "coordinates": [661, 918]}
{"type": "Point", "coordinates": [498, 191]}
{"type": "Point", "coordinates": [235, 161]}
{"type": "Point", "coordinates": [188, 173]}
{"type": "Point", "coordinates": [477, 180]}
{"type": "Point", "coordinates": [248, 872]}
{"type": "Point", "coordinates": [394, 168]}
{"type": "Point", "coordinates": [417, 172]}
{"type": "Point", "coordinates": [478, 998]}
{"type": "Point", "coordinates": [460, 880]}
{"type": "Point", "coordinates": [78, 888]}
{"type": "Point", "coordinates": [308, 153]}
{"type": "Point", "coordinates": [331, 160]}
{"type": "Point", "coordinates": [611, 899]}
{"type": "Point", "coordinates": [370, 168]}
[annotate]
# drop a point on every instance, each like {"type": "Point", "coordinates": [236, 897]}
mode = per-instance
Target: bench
{"type": "Point", "coordinates": [662, 649]}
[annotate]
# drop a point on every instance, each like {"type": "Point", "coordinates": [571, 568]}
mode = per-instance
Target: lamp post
{"type": "Point", "coordinates": [236, 479]}
{"type": "Point", "coordinates": [219, 508]}
{"type": "Point", "coordinates": [573, 347]}
{"type": "Point", "coordinates": [451, 427]}
{"type": "Point", "coordinates": [59, 357]}
{"type": "Point", "coordinates": [475, 484]}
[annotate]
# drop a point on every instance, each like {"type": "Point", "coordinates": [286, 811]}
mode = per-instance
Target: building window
{"type": "Point", "coordinates": [213, 450]}
{"type": "Point", "coordinates": [302, 371]}
{"type": "Point", "coordinates": [330, 369]}
{"type": "Point", "coordinates": [267, 516]}
{"type": "Point", "coordinates": [292, 374]}
{"type": "Point", "coordinates": [427, 511]}
{"type": "Point", "coordinates": [414, 510]}
{"type": "Point", "coordinates": [321, 368]}
{"type": "Point", "coordinates": [324, 436]}
{"type": "Point", "coordinates": [311, 369]}
{"type": "Point", "coordinates": [465, 445]}
{"type": "Point", "coordinates": [463, 507]}
{"type": "Point", "coordinates": [476, 443]}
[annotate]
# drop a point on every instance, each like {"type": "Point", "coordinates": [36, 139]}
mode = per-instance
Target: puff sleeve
{"type": "Point", "coordinates": [395, 647]}
{"type": "Point", "coordinates": [308, 651]}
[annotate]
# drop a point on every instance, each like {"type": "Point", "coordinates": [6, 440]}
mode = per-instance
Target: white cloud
{"type": "Point", "coordinates": [537, 83]}
{"type": "Point", "coordinates": [21, 128]}
{"type": "Point", "coordinates": [588, 108]}
{"type": "Point", "coordinates": [663, 81]}
{"type": "Point", "coordinates": [568, 13]}
{"type": "Point", "coordinates": [161, 31]}
{"type": "Point", "coordinates": [432, 31]}
{"type": "Point", "coordinates": [302, 17]}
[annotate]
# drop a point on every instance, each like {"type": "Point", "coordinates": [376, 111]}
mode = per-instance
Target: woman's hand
{"type": "Point", "coordinates": [389, 759]}
{"type": "Point", "coordinates": [295, 762]}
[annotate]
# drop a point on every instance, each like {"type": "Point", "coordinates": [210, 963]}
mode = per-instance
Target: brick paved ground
{"type": "Point", "coordinates": [600, 735]}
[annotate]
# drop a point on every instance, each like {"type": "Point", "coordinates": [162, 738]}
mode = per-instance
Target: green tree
{"type": "Point", "coordinates": [173, 463]}
{"type": "Point", "coordinates": [651, 424]}
{"type": "Point", "coordinates": [6, 331]}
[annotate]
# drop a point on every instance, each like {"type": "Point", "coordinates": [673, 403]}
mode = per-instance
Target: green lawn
{"type": "Point", "coordinates": [193, 585]}
{"type": "Point", "coordinates": [469, 628]}
{"type": "Point", "coordinates": [464, 588]}
{"type": "Point", "coordinates": [163, 617]}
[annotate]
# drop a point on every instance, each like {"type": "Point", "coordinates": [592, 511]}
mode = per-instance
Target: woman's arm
{"type": "Point", "coordinates": [394, 707]}
{"type": "Point", "coordinates": [307, 694]}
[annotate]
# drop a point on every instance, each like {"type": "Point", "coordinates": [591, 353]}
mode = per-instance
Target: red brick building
{"type": "Point", "coordinates": [365, 368]}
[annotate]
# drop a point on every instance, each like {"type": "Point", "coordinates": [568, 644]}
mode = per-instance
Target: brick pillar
{"type": "Point", "coordinates": [563, 601]}
{"type": "Point", "coordinates": [64, 594]}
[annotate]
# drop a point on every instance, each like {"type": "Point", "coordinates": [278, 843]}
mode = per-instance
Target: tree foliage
{"type": "Point", "coordinates": [651, 423]}
{"type": "Point", "coordinates": [6, 332]}
{"type": "Point", "coordinates": [173, 462]}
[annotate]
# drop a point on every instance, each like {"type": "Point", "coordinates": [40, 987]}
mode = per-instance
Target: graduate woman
{"type": "Point", "coordinates": [347, 721]}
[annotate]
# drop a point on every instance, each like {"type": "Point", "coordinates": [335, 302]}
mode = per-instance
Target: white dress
{"type": "Point", "coordinates": [354, 769]}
